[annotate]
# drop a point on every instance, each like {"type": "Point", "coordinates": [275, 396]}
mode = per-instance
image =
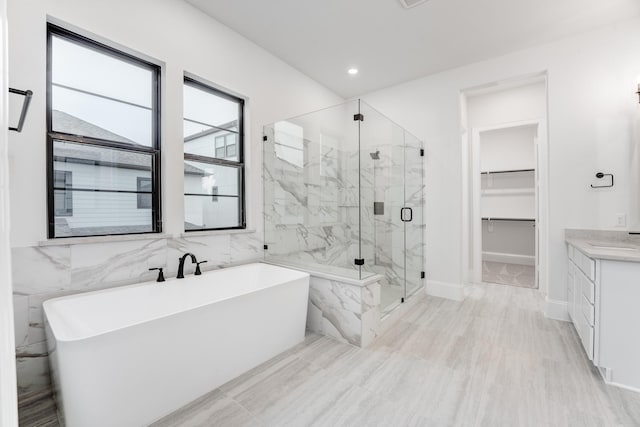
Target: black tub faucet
{"type": "Point", "coordinates": [160, 274]}
{"type": "Point", "coordinates": [181, 264]}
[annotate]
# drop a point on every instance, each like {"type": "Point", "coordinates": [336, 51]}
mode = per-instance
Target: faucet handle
{"type": "Point", "coordinates": [198, 272]}
{"type": "Point", "coordinates": [160, 274]}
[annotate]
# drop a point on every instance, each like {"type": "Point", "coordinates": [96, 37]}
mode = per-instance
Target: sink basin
{"type": "Point", "coordinates": [616, 247]}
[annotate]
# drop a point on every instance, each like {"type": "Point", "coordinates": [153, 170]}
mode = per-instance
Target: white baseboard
{"type": "Point", "coordinates": [554, 309]}
{"type": "Point", "coordinates": [508, 258]}
{"type": "Point", "coordinates": [454, 291]}
{"type": "Point", "coordinates": [606, 375]}
{"type": "Point", "coordinates": [626, 387]}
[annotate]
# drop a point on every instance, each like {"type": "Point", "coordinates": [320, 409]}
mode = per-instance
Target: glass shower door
{"type": "Point", "coordinates": [413, 213]}
{"type": "Point", "coordinates": [382, 160]}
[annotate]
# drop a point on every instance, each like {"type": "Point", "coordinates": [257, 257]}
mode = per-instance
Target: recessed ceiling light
{"type": "Point", "coordinates": [352, 71]}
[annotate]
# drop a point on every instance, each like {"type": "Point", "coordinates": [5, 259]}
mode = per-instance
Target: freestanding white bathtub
{"type": "Point", "coordinates": [128, 356]}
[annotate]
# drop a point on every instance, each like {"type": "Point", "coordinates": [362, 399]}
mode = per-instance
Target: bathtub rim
{"type": "Point", "coordinates": [51, 301]}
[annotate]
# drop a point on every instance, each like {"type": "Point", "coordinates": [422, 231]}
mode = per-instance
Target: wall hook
{"type": "Point", "coordinates": [601, 175]}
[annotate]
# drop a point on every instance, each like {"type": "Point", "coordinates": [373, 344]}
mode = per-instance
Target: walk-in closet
{"type": "Point", "coordinates": [506, 124]}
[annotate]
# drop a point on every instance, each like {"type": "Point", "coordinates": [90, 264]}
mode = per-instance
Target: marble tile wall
{"type": "Point", "coordinates": [347, 312]}
{"type": "Point", "coordinates": [44, 272]}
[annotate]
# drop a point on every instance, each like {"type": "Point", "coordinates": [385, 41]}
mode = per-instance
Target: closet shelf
{"type": "Point", "coordinates": [507, 171]}
{"type": "Point", "coordinates": [508, 219]}
{"type": "Point", "coordinates": [507, 191]}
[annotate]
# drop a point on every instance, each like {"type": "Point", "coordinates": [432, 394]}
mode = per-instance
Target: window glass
{"type": "Point", "coordinates": [213, 166]}
{"type": "Point", "coordinates": [211, 144]}
{"type": "Point", "coordinates": [103, 139]}
{"type": "Point", "coordinates": [63, 199]}
{"type": "Point", "coordinates": [200, 178]}
{"type": "Point", "coordinates": [205, 111]}
{"type": "Point", "coordinates": [204, 213]}
{"type": "Point", "coordinates": [99, 95]}
{"type": "Point", "coordinates": [144, 193]}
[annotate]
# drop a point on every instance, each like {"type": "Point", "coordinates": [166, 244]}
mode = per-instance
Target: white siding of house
{"type": "Point", "coordinates": [99, 209]}
{"type": "Point", "coordinates": [203, 210]}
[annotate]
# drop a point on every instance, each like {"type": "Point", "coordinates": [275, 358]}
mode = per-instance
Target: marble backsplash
{"type": "Point", "coordinates": [45, 272]}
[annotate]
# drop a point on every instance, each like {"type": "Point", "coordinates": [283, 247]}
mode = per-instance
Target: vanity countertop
{"type": "Point", "coordinates": [600, 248]}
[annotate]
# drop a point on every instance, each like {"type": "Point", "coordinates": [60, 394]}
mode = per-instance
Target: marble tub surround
{"type": "Point", "coordinates": [604, 244]}
{"type": "Point", "coordinates": [347, 312]}
{"type": "Point", "coordinates": [44, 272]}
{"type": "Point", "coordinates": [341, 305]}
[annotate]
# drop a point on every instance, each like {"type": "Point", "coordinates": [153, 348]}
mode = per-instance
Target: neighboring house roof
{"type": "Point", "coordinates": [78, 153]}
{"type": "Point", "coordinates": [224, 127]}
{"type": "Point", "coordinates": [76, 126]}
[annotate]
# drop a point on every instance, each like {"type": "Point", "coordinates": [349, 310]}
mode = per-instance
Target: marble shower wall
{"type": "Point", "coordinates": [45, 272]}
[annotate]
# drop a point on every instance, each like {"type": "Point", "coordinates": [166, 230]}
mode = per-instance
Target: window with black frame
{"type": "Point", "coordinates": [103, 149]}
{"type": "Point", "coordinates": [213, 158]}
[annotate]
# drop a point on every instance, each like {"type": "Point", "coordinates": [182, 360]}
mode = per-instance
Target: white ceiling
{"type": "Point", "coordinates": [390, 44]}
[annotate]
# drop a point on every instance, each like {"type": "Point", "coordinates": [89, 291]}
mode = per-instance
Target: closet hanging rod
{"type": "Point", "coordinates": [507, 171]}
{"type": "Point", "coordinates": [508, 219]}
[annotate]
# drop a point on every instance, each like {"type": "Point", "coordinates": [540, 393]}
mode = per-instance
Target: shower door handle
{"type": "Point", "coordinates": [403, 216]}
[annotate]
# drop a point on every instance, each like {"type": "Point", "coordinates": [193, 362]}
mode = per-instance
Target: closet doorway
{"type": "Point", "coordinates": [505, 205]}
{"type": "Point", "coordinates": [506, 134]}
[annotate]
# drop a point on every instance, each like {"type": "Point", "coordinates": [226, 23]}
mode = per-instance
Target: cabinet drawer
{"type": "Point", "coordinates": [588, 289]}
{"type": "Point", "coordinates": [570, 303]}
{"type": "Point", "coordinates": [571, 251]}
{"type": "Point", "coordinates": [588, 311]}
{"type": "Point", "coordinates": [585, 264]}
{"type": "Point", "coordinates": [586, 336]}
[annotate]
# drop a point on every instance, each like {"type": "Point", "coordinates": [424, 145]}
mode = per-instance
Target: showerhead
{"type": "Point", "coordinates": [376, 155]}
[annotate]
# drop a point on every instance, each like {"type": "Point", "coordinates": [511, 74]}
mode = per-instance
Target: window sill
{"type": "Point", "coordinates": [103, 239]}
{"type": "Point", "coordinates": [216, 232]}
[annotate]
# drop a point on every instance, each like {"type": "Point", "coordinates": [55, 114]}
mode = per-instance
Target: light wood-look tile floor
{"type": "Point", "coordinates": [492, 360]}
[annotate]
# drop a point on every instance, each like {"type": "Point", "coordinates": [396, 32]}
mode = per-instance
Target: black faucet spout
{"type": "Point", "coordinates": [181, 264]}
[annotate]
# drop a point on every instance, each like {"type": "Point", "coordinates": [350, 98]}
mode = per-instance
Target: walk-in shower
{"type": "Point", "coordinates": [344, 194]}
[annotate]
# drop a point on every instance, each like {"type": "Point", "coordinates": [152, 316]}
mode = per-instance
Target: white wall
{"type": "Point", "coordinates": [181, 37]}
{"type": "Point", "coordinates": [511, 104]}
{"type": "Point", "coordinates": [508, 149]}
{"type": "Point", "coordinates": [8, 402]}
{"type": "Point", "coordinates": [592, 105]}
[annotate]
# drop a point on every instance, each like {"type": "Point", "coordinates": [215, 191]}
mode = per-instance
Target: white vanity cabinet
{"type": "Point", "coordinates": [581, 292]}
{"type": "Point", "coordinates": [604, 306]}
